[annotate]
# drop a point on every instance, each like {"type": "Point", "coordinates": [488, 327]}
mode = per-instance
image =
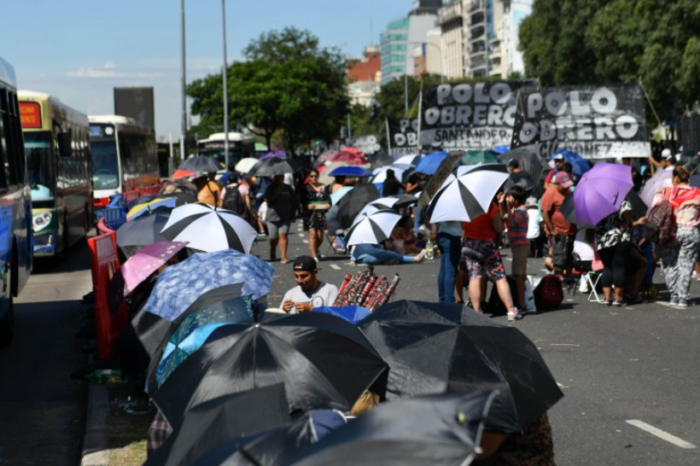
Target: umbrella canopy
{"type": "Point", "coordinates": [601, 191]}
{"type": "Point", "coordinates": [276, 446]}
{"type": "Point", "coordinates": [180, 285]}
{"type": "Point", "coordinates": [400, 172]}
{"type": "Point", "coordinates": [150, 206]}
{"type": "Point", "coordinates": [280, 154]}
{"type": "Point", "coordinates": [209, 229]}
{"type": "Point", "coordinates": [373, 228]}
{"type": "Point", "coordinates": [390, 202]}
{"type": "Point", "coordinates": [469, 195]}
{"type": "Point", "coordinates": [437, 430]}
{"type": "Point", "coordinates": [380, 159]}
{"type": "Point", "coordinates": [338, 195]}
{"type": "Point", "coordinates": [348, 158]}
{"type": "Point", "coordinates": [141, 265]}
{"type": "Point", "coordinates": [325, 176]}
{"type": "Point", "coordinates": [191, 329]}
{"type": "Point", "coordinates": [475, 157]}
{"type": "Point", "coordinates": [275, 166]}
{"type": "Point", "coordinates": [135, 235]}
{"type": "Point", "coordinates": [500, 149]}
{"type": "Point", "coordinates": [429, 164]}
{"type": "Point", "coordinates": [353, 202]}
{"type": "Point", "coordinates": [324, 362]}
{"type": "Point", "coordinates": [433, 348]}
{"type": "Point", "coordinates": [246, 164]}
{"type": "Point", "coordinates": [529, 160]}
{"type": "Point", "coordinates": [181, 174]}
{"type": "Point", "coordinates": [639, 208]}
{"type": "Point", "coordinates": [578, 163]}
{"type": "Point", "coordinates": [661, 179]}
{"type": "Point", "coordinates": [200, 164]}
{"type": "Point", "coordinates": [323, 158]}
{"type": "Point", "coordinates": [568, 209]}
{"type": "Point", "coordinates": [352, 314]}
{"type": "Point", "coordinates": [436, 181]}
{"type": "Point", "coordinates": [216, 421]}
{"type": "Point", "coordinates": [351, 171]}
{"type": "Point", "coordinates": [410, 160]}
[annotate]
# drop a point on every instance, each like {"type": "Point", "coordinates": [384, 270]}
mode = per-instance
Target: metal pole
{"type": "Point", "coordinates": [349, 127]}
{"type": "Point", "coordinates": [183, 131]}
{"type": "Point", "coordinates": [405, 92]}
{"type": "Point", "coordinates": [225, 75]}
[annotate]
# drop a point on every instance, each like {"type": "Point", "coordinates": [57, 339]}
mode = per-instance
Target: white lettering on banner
{"type": "Point", "coordinates": [499, 93]}
{"type": "Point", "coordinates": [479, 115]}
{"type": "Point", "coordinates": [568, 128]}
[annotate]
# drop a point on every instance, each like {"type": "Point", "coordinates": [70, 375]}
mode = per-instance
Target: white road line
{"type": "Point", "coordinates": [306, 241]}
{"type": "Point", "coordinates": [335, 267]}
{"type": "Point", "coordinates": [661, 434]}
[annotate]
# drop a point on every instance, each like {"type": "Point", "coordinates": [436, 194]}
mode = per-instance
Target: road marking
{"type": "Point", "coordinates": [306, 241]}
{"type": "Point", "coordinates": [335, 267]}
{"type": "Point", "coordinates": [564, 344]}
{"type": "Point", "coordinates": [661, 434]}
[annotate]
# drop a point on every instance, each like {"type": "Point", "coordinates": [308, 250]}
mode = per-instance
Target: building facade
{"type": "Point", "coordinates": [451, 18]}
{"type": "Point", "coordinates": [364, 77]}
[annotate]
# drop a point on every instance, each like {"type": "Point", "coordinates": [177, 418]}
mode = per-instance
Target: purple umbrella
{"type": "Point", "coordinates": [601, 192]}
{"type": "Point", "coordinates": [280, 154]}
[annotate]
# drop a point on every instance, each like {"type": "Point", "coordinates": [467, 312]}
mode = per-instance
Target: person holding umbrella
{"type": "Point", "coordinates": [281, 210]}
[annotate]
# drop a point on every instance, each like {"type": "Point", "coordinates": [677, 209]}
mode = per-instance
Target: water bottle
{"type": "Point", "coordinates": [429, 251]}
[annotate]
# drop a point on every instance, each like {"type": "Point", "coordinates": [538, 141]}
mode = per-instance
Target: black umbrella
{"type": "Point", "coordinates": [182, 197]}
{"type": "Point", "coordinates": [324, 361]}
{"type": "Point", "coordinates": [275, 166]}
{"type": "Point", "coordinates": [354, 201]}
{"type": "Point", "coordinates": [214, 422]}
{"type": "Point", "coordinates": [273, 447]}
{"type": "Point", "coordinates": [200, 164]}
{"type": "Point", "coordinates": [135, 235]}
{"type": "Point", "coordinates": [435, 182]}
{"type": "Point", "coordinates": [639, 207]}
{"type": "Point", "coordinates": [529, 160]}
{"type": "Point", "coordinates": [567, 209]}
{"type": "Point", "coordinates": [380, 159]}
{"type": "Point", "coordinates": [437, 430]}
{"type": "Point", "coordinates": [434, 348]}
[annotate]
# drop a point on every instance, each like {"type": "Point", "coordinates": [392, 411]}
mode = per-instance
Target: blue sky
{"type": "Point", "coordinates": [79, 50]}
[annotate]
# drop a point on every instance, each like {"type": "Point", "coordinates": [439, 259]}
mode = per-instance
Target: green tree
{"type": "Point", "coordinates": [287, 83]}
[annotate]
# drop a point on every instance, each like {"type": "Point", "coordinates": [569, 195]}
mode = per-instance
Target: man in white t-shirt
{"type": "Point", "coordinates": [310, 292]}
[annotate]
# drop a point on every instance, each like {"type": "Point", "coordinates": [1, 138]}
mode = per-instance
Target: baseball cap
{"type": "Point", "coordinates": [304, 264]}
{"type": "Point", "coordinates": [558, 157]}
{"type": "Point", "coordinates": [563, 180]}
{"type": "Point", "coordinates": [531, 201]}
{"type": "Point", "coordinates": [666, 153]}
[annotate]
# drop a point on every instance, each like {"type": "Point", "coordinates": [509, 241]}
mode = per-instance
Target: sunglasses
{"type": "Point", "coordinates": [313, 176]}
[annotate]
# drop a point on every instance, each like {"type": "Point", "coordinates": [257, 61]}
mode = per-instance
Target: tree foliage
{"type": "Point", "coordinates": [608, 41]}
{"type": "Point", "coordinates": [287, 82]}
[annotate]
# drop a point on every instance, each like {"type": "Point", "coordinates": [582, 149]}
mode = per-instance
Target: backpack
{"type": "Point", "coordinates": [233, 200]}
{"type": "Point", "coordinates": [661, 223]}
{"type": "Point", "coordinates": [549, 294]}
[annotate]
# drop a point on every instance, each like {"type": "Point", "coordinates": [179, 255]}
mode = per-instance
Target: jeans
{"type": "Point", "coordinates": [450, 254]}
{"type": "Point", "coordinates": [384, 257]}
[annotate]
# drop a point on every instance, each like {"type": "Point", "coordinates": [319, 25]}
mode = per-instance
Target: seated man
{"type": "Point", "coordinates": [310, 292]}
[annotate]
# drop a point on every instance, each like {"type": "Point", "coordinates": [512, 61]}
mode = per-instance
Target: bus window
{"type": "Point", "coordinates": [37, 147]}
{"type": "Point", "coordinates": [105, 168]}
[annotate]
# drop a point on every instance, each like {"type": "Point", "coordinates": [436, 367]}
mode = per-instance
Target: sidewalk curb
{"type": "Point", "coordinates": [95, 445]}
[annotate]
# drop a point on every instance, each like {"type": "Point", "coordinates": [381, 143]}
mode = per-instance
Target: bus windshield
{"type": "Point", "coordinates": [105, 168]}
{"type": "Point", "coordinates": [37, 147]}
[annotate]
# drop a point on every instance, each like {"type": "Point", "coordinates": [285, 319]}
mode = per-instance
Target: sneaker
{"type": "Point", "coordinates": [673, 301]}
{"type": "Point", "coordinates": [617, 303]}
{"type": "Point", "coordinates": [682, 303]}
{"type": "Point", "coordinates": [514, 315]}
{"type": "Point", "coordinates": [606, 302]}
{"type": "Point", "coordinates": [419, 258]}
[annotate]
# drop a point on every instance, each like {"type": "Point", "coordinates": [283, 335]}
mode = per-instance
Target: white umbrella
{"type": "Point", "coordinates": [661, 179]}
{"type": "Point", "coordinates": [399, 170]}
{"type": "Point", "coordinates": [407, 160]}
{"type": "Point", "coordinates": [383, 203]}
{"type": "Point", "coordinates": [468, 195]}
{"type": "Point", "coordinates": [373, 228]}
{"type": "Point", "coordinates": [209, 229]}
{"type": "Point", "coordinates": [244, 165]}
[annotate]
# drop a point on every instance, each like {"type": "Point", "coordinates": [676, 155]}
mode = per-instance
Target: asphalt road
{"type": "Point", "coordinates": [41, 408]}
{"type": "Point", "coordinates": [615, 365]}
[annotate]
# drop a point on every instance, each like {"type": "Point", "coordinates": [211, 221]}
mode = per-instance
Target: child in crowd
{"type": "Point", "coordinates": [518, 223]}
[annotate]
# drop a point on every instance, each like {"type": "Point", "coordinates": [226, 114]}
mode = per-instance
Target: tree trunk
{"type": "Point", "coordinates": [268, 141]}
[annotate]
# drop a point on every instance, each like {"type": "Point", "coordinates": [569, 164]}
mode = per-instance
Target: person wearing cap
{"type": "Point", "coordinates": [667, 160]}
{"type": "Point", "coordinates": [559, 162]}
{"type": "Point", "coordinates": [559, 230]}
{"type": "Point", "coordinates": [310, 292]}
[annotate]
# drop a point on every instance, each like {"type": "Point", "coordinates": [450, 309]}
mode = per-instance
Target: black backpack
{"type": "Point", "coordinates": [233, 200]}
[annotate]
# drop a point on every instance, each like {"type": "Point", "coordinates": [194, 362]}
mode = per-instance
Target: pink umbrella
{"type": "Point", "coordinates": [349, 159]}
{"type": "Point", "coordinates": [323, 158]}
{"type": "Point", "coordinates": [141, 265]}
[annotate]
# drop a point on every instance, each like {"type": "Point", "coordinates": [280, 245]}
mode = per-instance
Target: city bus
{"type": "Point", "coordinates": [15, 204]}
{"type": "Point", "coordinates": [59, 165]}
{"type": "Point", "coordinates": [240, 146]}
{"type": "Point", "coordinates": [124, 158]}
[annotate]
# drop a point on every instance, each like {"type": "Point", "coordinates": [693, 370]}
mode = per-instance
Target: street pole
{"type": "Point", "coordinates": [349, 127]}
{"type": "Point", "coordinates": [183, 131]}
{"type": "Point", "coordinates": [225, 75]}
{"type": "Point", "coordinates": [405, 93]}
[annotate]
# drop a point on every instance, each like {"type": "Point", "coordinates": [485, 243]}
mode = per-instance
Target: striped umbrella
{"type": "Point", "coordinates": [373, 228]}
{"type": "Point", "coordinates": [469, 195]}
{"type": "Point", "coordinates": [209, 229]}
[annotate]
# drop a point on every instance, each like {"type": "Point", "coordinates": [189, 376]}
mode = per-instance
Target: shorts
{"type": "Point", "coordinates": [562, 247]}
{"type": "Point", "coordinates": [482, 256]}
{"type": "Point", "coordinates": [275, 228]}
{"type": "Point", "coordinates": [520, 255]}
{"type": "Point", "coordinates": [317, 221]}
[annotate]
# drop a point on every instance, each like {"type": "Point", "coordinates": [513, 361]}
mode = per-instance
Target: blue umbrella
{"type": "Point", "coordinates": [579, 164]}
{"type": "Point", "coordinates": [181, 284]}
{"type": "Point", "coordinates": [352, 314]}
{"type": "Point", "coordinates": [350, 171]}
{"type": "Point", "coordinates": [430, 163]}
{"type": "Point", "coordinates": [500, 149]}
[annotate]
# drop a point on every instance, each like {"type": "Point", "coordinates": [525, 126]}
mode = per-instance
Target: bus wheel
{"type": "Point", "coordinates": [7, 326]}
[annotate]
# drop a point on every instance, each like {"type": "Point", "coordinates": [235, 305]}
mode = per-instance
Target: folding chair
{"type": "Point", "coordinates": [592, 278]}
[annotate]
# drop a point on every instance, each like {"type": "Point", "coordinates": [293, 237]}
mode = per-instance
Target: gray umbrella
{"type": "Point", "coordinates": [199, 165]}
{"type": "Point", "coordinates": [435, 182]}
{"type": "Point", "coordinates": [529, 159]}
{"type": "Point", "coordinates": [275, 166]}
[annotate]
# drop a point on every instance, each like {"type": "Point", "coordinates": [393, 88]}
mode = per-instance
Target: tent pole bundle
{"type": "Point", "coordinates": [366, 289]}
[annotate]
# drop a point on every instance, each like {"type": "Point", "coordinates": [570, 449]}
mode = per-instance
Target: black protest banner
{"type": "Point", "coordinates": [597, 122]}
{"type": "Point", "coordinates": [689, 134]}
{"type": "Point", "coordinates": [474, 115]}
{"type": "Point", "coordinates": [402, 136]}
